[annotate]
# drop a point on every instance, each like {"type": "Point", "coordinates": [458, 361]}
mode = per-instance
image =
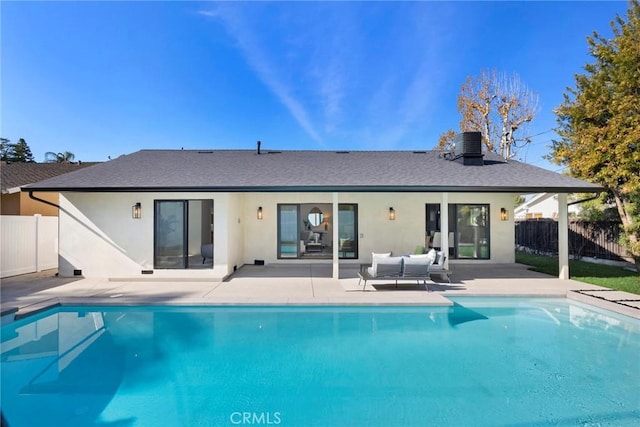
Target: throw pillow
{"type": "Point", "coordinates": [375, 257]}
{"type": "Point", "coordinates": [373, 254]}
{"type": "Point", "coordinates": [432, 255]}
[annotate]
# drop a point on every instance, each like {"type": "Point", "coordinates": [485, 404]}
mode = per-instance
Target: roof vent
{"type": "Point", "coordinates": [343, 152]}
{"type": "Point", "coordinates": [419, 152]}
{"type": "Point", "coordinates": [468, 148]}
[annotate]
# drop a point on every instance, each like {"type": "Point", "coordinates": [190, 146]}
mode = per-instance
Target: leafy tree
{"type": "Point", "coordinates": [4, 148]}
{"type": "Point", "coordinates": [518, 200]}
{"type": "Point", "coordinates": [601, 208]}
{"type": "Point", "coordinates": [66, 157]}
{"type": "Point", "coordinates": [497, 105]}
{"type": "Point", "coordinates": [22, 152]}
{"type": "Point", "coordinates": [599, 122]}
{"type": "Point", "coordinates": [16, 153]}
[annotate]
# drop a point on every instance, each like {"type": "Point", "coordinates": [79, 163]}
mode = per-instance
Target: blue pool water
{"type": "Point", "coordinates": [497, 362]}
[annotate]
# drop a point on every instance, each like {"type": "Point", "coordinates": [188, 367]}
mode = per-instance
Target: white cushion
{"type": "Point", "coordinates": [390, 266]}
{"type": "Point", "coordinates": [374, 260]}
{"type": "Point", "coordinates": [385, 254]}
{"type": "Point", "coordinates": [416, 266]}
{"type": "Point", "coordinates": [432, 255]}
{"type": "Point", "coordinates": [418, 260]}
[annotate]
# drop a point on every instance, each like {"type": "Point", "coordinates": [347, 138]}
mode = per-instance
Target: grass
{"type": "Point", "coordinates": [607, 276]}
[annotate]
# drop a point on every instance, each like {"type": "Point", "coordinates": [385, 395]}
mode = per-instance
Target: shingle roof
{"type": "Point", "coordinates": [245, 170]}
{"type": "Point", "coordinates": [14, 175]}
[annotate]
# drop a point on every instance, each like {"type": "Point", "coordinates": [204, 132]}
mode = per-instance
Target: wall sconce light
{"type": "Point", "coordinates": [259, 214]}
{"type": "Point", "coordinates": [392, 214]}
{"type": "Point", "coordinates": [504, 214]}
{"type": "Point", "coordinates": [136, 211]}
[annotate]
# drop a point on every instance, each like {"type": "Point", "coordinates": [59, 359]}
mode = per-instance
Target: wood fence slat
{"type": "Point", "coordinates": [598, 239]}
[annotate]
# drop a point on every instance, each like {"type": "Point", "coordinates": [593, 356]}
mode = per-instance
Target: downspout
{"type": "Point", "coordinates": [38, 199]}
{"type": "Point", "coordinates": [31, 196]}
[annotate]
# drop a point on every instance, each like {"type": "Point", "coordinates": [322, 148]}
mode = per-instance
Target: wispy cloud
{"type": "Point", "coordinates": [366, 75]}
{"type": "Point", "coordinates": [265, 67]}
{"type": "Point", "coordinates": [409, 82]}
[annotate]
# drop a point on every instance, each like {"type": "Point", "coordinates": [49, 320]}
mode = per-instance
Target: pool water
{"type": "Point", "coordinates": [496, 362]}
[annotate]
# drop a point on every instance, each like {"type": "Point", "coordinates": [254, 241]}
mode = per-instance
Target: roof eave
{"type": "Point", "coordinates": [324, 189]}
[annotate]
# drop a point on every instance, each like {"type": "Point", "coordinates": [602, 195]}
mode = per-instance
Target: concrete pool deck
{"type": "Point", "coordinates": [300, 284]}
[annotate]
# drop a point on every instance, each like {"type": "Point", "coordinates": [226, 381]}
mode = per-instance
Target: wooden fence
{"type": "Point", "coordinates": [28, 243]}
{"type": "Point", "coordinates": [597, 239]}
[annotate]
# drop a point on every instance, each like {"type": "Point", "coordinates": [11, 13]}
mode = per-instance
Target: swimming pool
{"type": "Point", "coordinates": [498, 361]}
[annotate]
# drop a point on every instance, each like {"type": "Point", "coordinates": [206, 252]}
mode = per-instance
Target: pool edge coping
{"type": "Point", "coordinates": [41, 306]}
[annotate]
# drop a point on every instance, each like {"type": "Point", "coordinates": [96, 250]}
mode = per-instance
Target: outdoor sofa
{"type": "Point", "coordinates": [410, 267]}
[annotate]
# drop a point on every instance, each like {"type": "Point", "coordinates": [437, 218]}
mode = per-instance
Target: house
{"type": "Point", "coordinates": [542, 205]}
{"type": "Point", "coordinates": [154, 211]}
{"type": "Point", "coordinates": [15, 175]}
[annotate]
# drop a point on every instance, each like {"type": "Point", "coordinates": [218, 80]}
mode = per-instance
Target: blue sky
{"type": "Point", "coordinates": [104, 79]}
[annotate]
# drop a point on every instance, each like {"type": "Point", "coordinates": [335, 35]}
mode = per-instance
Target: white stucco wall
{"type": "Point", "coordinates": [376, 232]}
{"type": "Point", "coordinates": [99, 236]}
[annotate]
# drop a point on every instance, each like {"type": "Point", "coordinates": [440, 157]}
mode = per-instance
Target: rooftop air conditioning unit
{"type": "Point", "coordinates": [468, 148]}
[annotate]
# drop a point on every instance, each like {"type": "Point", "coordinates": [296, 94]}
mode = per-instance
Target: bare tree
{"type": "Point", "coordinates": [496, 105]}
{"type": "Point", "coordinates": [516, 105]}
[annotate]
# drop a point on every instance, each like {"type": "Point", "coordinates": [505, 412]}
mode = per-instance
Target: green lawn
{"type": "Point", "coordinates": [597, 274]}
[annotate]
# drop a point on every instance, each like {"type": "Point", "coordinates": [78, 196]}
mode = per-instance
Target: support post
{"type": "Point", "coordinates": [336, 247]}
{"type": "Point", "coordinates": [563, 237]}
{"type": "Point", "coordinates": [444, 227]}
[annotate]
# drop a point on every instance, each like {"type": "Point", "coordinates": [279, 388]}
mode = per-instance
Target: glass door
{"type": "Point", "coordinates": [348, 231]}
{"type": "Point", "coordinates": [472, 230]}
{"type": "Point", "coordinates": [468, 230]}
{"type": "Point", "coordinates": [288, 239]}
{"type": "Point", "coordinates": [170, 238]}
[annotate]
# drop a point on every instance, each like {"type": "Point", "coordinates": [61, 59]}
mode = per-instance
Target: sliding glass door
{"type": "Point", "coordinates": [288, 240]}
{"type": "Point", "coordinates": [348, 231]}
{"type": "Point", "coordinates": [170, 235]}
{"type": "Point", "coordinates": [468, 230]}
{"type": "Point", "coordinates": [183, 234]}
{"type": "Point", "coordinates": [306, 231]}
{"type": "Point", "coordinates": [472, 231]}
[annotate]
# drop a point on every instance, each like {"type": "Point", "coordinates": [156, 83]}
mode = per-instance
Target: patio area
{"type": "Point", "coordinates": [300, 284]}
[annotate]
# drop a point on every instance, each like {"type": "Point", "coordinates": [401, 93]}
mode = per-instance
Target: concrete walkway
{"type": "Point", "coordinates": [300, 284]}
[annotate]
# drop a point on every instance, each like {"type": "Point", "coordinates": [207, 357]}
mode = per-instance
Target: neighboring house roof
{"type": "Point", "coordinates": [543, 205]}
{"type": "Point", "coordinates": [245, 170]}
{"type": "Point", "coordinates": [15, 175]}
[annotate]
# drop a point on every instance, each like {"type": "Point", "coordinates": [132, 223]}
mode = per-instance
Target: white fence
{"type": "Point", "coordinates": [28, 244]}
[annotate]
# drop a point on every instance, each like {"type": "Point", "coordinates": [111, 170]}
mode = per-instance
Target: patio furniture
{"type": "Point", "coordinates": [392, 268]}
{"type": "Point", "coordinates": [416, 267]}
{"type": "Point", "coordinates": [314, 247]}
{"type": "Point", "coordinates": [437, 268]}
{"type": "Point", "coordinates": [206, 251]}
{"type": "Point", "coordinates": [347, 245]}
